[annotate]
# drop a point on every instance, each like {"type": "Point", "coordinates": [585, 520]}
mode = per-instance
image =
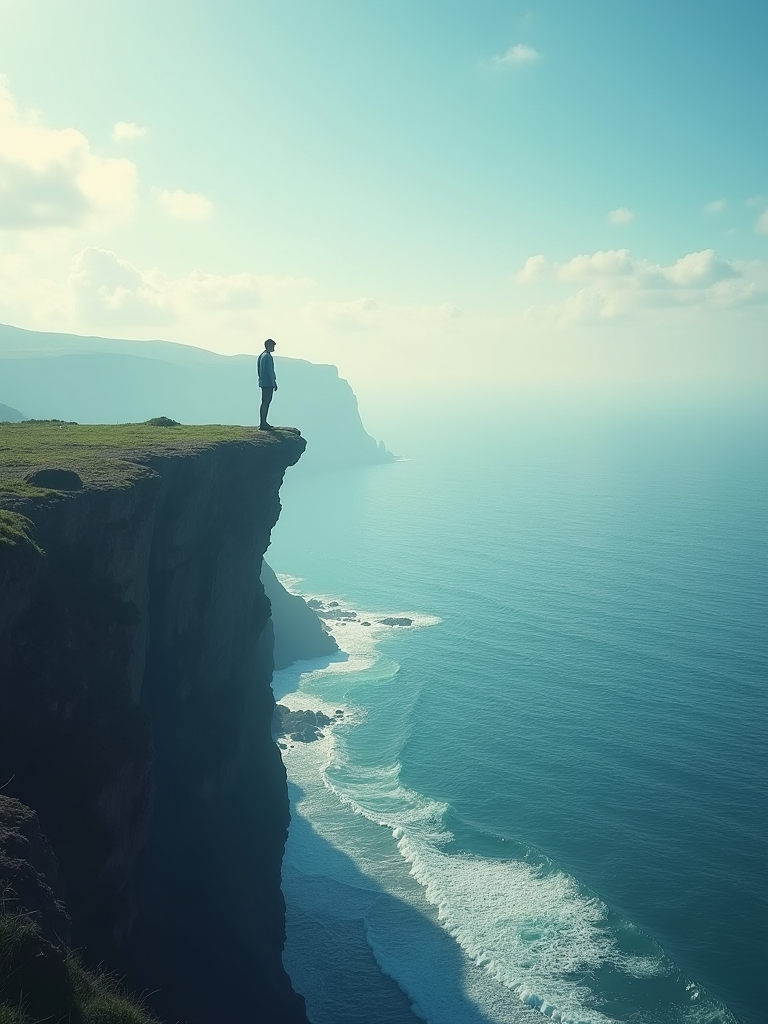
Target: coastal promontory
{"type": "Point", "coordinates": [144, 788]}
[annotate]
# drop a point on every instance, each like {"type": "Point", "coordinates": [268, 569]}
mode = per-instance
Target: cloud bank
{"type": "Point", "coordinates": [50, 178]}
{"type": "Point", "coordinates": [618, 285]}
{"type": "Point", "coordinates": [109, 290]}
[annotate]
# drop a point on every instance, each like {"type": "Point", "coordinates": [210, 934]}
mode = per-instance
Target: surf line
{"type": "Point", "coordinates": [561, 930]}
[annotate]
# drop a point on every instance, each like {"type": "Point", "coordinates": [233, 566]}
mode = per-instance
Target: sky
{"type": "Point", "coordinates": [431, 194]}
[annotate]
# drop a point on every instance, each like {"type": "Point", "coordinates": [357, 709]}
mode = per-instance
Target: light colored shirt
{"type": "Point", "coordinates": [266, 366]}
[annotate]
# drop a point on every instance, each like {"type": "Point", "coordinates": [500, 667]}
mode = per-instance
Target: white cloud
{"type": "Point", "coordinates": [50, 178]}
{"type": "Point", "coordinates": [181, 205]}
{"type": "Point", "coordinates": [738, 292]}
{"type": "Point", "coordinates": [222, 291]}
{"type": "Point", "coordinates": [600, 264]}
{"type": "Point", "coordinates": [516, 55]}
{"type": "Point", "coordinates": [31, 296]}
{"type": "Point", "coordinates": [761, 225]}
{"type": "Point", "coordinates": [107, 290]}
{"type": "Point", "coordinates": [604, 263]}
{"type": "Point", "coordinates": [716, 206]}
{"type": "Point", "coordinates": [616, 284]}
{"type": "Point", "coordinates": [535, 266]}
{"type": "Point", "coordinates": [366, 314]}
{"type": "Point", "coordinates": [698, 270]}
{"type": "Point", "coordinates": [622, 215]}
{"type": "Point", "coordinates": [127, 131]}
{"type": "Point", "coordinates": [355, 315]}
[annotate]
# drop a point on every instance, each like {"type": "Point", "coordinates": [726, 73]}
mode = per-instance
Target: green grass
{"type": "Point", "coordinates": [12, 1015]}
{"type": "Point", "coordinates": [15, 529]}
{"type": "Point", "coordinates": [101, 998]}
{"type": "Point", "coordinates": [40, 982]}
{"type": "Point", "coordinates": [106, 456]}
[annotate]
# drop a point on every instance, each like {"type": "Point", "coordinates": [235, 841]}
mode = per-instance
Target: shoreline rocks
{"type": "Point", "coordinates": [333, 612]}
{"type": "Point", "coordinates": [301, 726]}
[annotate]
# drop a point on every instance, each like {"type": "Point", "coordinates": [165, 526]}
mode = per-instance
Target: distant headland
{"type": "Point", "coordinates": [105, 380]}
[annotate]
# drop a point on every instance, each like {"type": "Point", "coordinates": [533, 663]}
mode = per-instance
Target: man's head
{"type": "Point", "coordinates": [269, 345]}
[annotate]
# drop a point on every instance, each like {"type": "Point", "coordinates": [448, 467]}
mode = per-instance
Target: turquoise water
{"type": "Point", "coordinates": [547, 796]}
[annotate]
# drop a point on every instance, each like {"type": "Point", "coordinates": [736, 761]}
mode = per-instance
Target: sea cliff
{"type": "Point", "coordinates": [105, 380]}
{"type": "Point", "coordinates": [135, 669]}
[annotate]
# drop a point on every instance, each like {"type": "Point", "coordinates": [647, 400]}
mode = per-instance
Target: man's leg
{"type": "Point", "coordinates": [266, 398]}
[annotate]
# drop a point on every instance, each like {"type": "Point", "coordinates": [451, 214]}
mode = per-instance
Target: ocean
{"type": "Point", "coordinates": [547, 794]}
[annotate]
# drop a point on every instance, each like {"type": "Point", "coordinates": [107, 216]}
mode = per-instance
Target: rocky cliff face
{"type": "Point", "coordinates": [298, 631]}
{"type": "Point", "coordinates": [135, 668]}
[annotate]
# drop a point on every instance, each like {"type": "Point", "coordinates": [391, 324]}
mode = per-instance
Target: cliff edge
{"type": "Point", "coordinates": [106, 380]}
{"type": "Point", "coordinates": [135, 669]}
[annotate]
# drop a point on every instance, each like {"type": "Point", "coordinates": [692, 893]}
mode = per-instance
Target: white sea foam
{"type": "Point", "coordinates": [379, 796]}
{"type": "Point", "coordinates": [533, 939]}
{"type": "Point", "coordinates": [358, 641]}
{"type": "Point", "coordinates": [530, 931]}
{"type": "Point", "coordinates": [291, 583]}
{"type": "Point", "coordinates": [530, 928]}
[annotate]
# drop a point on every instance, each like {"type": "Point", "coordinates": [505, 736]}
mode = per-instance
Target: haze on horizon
{"type": "Point", "coordinates": [432, 196]}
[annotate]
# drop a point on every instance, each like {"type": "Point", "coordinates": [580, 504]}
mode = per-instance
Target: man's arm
{"type": "Point", "coordinates": [266, 369]}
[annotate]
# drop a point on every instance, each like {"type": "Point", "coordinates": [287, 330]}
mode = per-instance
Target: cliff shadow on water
{"type": "Point", "coordinates": [348, 977]}
{"type": "Point", "coordinates": [135, 670]}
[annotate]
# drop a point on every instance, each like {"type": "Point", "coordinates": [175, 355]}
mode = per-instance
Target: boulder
{"type": "Point", "coordinates": [56, 478]}
{"type": "Point", "coordinates": [303, 726]}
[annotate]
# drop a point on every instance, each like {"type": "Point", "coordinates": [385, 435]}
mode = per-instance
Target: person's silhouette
{"type": "Point", "coordinates": [267, 382]}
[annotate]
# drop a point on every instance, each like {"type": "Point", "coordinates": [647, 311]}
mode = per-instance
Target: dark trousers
{"type": "Point", "coordinates": [266, 398]}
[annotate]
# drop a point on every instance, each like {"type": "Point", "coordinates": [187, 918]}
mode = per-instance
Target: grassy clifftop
{"type": "Point", "coordinates": [107, 456]}
{"type": "Point", "coordinates": [111, 456]}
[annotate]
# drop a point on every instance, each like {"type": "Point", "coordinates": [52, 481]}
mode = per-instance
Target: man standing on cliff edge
{"type": "Point", "coordinates": [267, 382]}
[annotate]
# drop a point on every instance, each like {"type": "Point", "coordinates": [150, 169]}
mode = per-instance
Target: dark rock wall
{"type": "Point", "coordinates": [74, 743]}
{"type": "Point", "coordinates": [28, 871]}
{"type": "Point", "coordinates": [299, 632]}
{"type": "Point", "coordinates": [135, 711]}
